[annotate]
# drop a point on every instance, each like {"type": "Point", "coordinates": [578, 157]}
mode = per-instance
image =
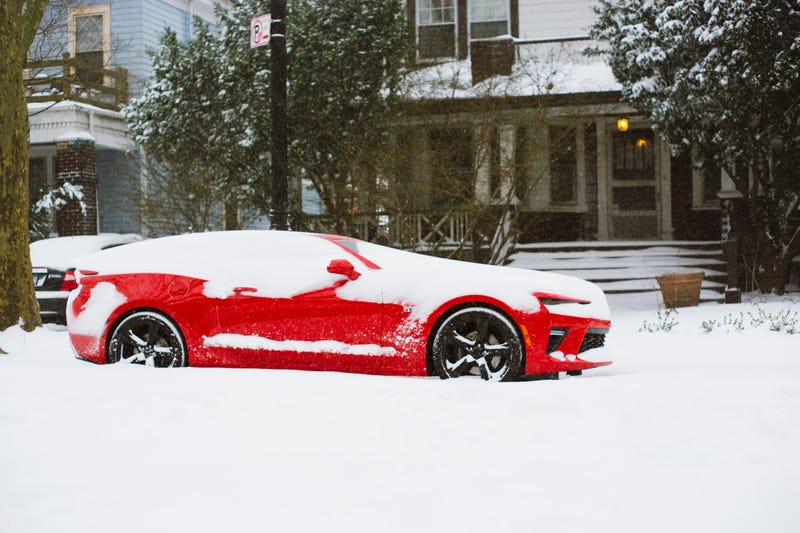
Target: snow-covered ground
{"type": "Point", "coordinates": [688, 431]}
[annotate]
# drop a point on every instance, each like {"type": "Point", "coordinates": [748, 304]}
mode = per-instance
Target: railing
{"type": "Point", "coordinates": [70, 79]}
{"type": "Point", "coordinates": [426, 232]}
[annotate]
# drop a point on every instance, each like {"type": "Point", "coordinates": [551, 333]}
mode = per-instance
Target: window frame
{"type": "Point", "coordinates": [461, 25]}
{"type": "Point", "coordinates": [471, 20]}
{"type": "Point", "coordinates": [103, 10]}
{"type": "Point", "coordinates": [418, 26]}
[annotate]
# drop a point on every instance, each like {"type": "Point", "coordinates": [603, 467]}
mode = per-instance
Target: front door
{"type": "Point", "coordinates": [634, 187]}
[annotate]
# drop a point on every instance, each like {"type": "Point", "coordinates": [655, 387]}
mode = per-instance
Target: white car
{"type": "Point", "coordinates": [53, 268]}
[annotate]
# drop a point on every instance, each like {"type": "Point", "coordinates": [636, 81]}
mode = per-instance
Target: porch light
{"type": "Point", "coordinates": [622, 124]}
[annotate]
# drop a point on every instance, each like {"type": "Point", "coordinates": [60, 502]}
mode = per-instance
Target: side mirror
{"type": "Point", "coordinates": [344, 268]}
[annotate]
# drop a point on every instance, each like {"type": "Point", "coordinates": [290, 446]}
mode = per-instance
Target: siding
{"type": "Point", "coordinates": [117, 192]}
{"type": "Point", "coordinates": [136, 29]}
{"type": "Point", "coordinates": [542, 19]}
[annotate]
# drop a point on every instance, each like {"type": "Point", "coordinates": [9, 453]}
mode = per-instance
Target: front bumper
{"type": "Point", "coordinates": [560, 347]}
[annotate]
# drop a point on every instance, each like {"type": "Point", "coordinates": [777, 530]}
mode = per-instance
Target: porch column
{"type": "Point", "coordinates": [665, 199]}
{"type": "Point", "coordinates": [483, 165]}
{"type": "Point", "coordinates": [76, 170]}
{"type": "Point", "coordinates": [603, 177]}
{"type": "Point", "coordinates": [507, 143]}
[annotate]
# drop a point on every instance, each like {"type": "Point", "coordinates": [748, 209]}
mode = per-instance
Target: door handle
{"type": "Point", "coordinates": [240, 290]}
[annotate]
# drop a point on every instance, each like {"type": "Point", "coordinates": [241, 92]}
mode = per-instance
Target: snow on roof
{"type": "Point", "coordinates": [63, 105]}
{"type": "Point", "coordinates": [539, 69]}
{"type": "Point", "coordinates": [75, 135]}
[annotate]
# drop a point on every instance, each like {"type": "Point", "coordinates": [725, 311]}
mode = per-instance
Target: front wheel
{"type": "Point", "coordinates": [477, 341]}
{"type": "Point", "coordinates": [147, 338]}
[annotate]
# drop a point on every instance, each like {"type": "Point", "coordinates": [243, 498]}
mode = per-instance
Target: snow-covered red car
{"type": "Point", "coordinates": [320, 302]}
{"type": "Point", "coordinates": [53, 268]}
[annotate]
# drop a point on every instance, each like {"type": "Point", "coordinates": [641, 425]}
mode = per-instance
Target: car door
{"type": "Point", "coordinates": [292, 316]}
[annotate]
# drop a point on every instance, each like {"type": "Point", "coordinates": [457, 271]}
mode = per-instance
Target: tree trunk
{"type": "Point", "coordinates": [18, 22]}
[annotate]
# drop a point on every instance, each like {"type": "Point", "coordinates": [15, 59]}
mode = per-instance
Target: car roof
{"type": "Point", "coordinates": [59, 252]}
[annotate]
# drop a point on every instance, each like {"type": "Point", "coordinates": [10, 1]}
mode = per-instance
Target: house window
{"type": "Point", "coordinates": [488, 18]}
{"type": "Point", "coordinates": [452, 167]}
{"type": "Point", "coordinates": [712, 181]}
{"type": "Point", "coordinates": [634, 155]}
{"type": "Point", "coordinates": [563, 164]}
{"type": "Point", "coordinates": [89, 31]}
{"type": "Point", "coordinates": [436, 27]}
{"type": "Point", "coordinates": [38, 183]}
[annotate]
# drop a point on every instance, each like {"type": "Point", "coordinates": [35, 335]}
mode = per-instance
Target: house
{"type": "Point", "coordinates": [90, 57]}
{"type": "Point", "coordinates": [506, 109]}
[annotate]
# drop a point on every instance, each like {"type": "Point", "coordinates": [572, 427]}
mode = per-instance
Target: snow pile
{"type": "Point", "coordinates": [540, 69]}
{"type": "Point", "coordinates": [687, 431]}
{"type": "Point", "coordinates": [254, 342]}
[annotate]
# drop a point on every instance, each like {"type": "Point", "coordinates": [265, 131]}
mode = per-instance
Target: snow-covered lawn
{"type": "Point", "coordinates": [687, 431]}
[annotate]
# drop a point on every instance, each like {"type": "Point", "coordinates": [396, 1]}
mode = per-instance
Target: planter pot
{"type": "Point", "coordinates": [680, 290]}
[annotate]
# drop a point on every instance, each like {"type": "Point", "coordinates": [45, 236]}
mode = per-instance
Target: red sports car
{"type": "Point", "coordinates": [321, 302]}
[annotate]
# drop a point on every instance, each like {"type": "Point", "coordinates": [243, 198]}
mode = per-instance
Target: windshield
{"type": "Point", "coordinates": [377, 254]}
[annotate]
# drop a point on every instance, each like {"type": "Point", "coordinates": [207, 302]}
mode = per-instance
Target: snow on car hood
{"type": "Point", "coordinates": [425, 283]}
{"type": "Point", "coordinates": [286, 264]}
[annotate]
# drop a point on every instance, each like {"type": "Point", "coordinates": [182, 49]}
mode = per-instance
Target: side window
{"type": "Point", "coordinates": [436, 28]}
{"type": "Point", "coordinates": [89, 39]}
{"type": "Point", "coordinates": [563, 164]}
{"type": "Point", "coordinates": [489, 18]}
{"type": "Point", "coordinates": [37, 183]}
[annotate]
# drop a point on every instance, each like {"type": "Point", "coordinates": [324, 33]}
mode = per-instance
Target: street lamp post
{"type": "Point", "coordinates": [279, 211]}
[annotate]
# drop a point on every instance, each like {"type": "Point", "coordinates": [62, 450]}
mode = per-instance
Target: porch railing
{"type": "Point", "coordinates": [425, 232]}
{"type": "Point", "coordinates": [70, 79]}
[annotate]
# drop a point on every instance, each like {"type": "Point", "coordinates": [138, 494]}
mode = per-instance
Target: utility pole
{"type": "Point", "coordinates": [279, 210]}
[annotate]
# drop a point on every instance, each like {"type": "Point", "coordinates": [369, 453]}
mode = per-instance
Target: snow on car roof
{"type": "Point", "coordinates": [285, 264]}
{"type": "Point", "coordinates": [60, 252]}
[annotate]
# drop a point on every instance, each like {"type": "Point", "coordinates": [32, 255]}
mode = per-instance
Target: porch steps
{"type": "Point", "coordinates": [628, 267]}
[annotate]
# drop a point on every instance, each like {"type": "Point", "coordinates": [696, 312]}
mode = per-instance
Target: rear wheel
{"type": "Point", "coordinates": [477, 341]}
{"type": "Point", "coordinates": [147, 338]}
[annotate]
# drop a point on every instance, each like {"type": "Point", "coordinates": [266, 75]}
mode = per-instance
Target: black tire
{"type": "Point", "coordinates": [147, 338]}
{"type": "Point", "coordinates": [477, 341]}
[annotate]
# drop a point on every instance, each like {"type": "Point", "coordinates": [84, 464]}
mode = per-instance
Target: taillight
{"type": "Point", "coordinates": [69, 282]}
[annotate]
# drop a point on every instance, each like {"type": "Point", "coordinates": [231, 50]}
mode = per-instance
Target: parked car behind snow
{"type": "Point", "coordinates": [53, 268]}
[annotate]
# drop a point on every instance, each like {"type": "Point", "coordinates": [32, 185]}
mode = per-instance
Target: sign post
{"type": "Point", "coordinates": [279, 211]}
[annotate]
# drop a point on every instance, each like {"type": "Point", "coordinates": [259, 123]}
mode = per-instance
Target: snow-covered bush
{"type": "Point", "coordinates": [784, 320]}
{"type": "Point", "coordinates": [722, 77]}
{"type": "Point", "coordinates": [664, 321]}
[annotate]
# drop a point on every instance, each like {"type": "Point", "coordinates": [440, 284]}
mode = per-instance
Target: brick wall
{"type": "Point", "coordinates": [76, 164]}
{"type": "Point", "coordinates": [491, 57]}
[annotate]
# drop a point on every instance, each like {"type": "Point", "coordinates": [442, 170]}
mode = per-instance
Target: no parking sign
{"type": "Point", "coordinates": [259, 30]}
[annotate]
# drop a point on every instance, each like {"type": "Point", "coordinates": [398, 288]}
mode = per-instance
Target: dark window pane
{"type": "Point", "coordinates": [485, 30]}
{"type": "Point", "coordinates": [635, 227]}
{"type": "Point", "coordinates": [634, 155]}
{"type": "Point", "coordinates": [563, 164]}
{"type": "Point", "coordinates": [452, 176]}
{"type": "Point", "coordinates": [90, 70]}
{"type": "Point", "coordinates": [635, 198]}
{"type": "Point", "coordinates": [437, 41]}
{"type": "Point", "coordinates": [712, 181]}
{"type": "Point", "coordinates": [37, 180]}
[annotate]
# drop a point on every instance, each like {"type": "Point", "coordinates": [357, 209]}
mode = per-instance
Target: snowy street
{"type": "Point", "coordinates": [687, 431]}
